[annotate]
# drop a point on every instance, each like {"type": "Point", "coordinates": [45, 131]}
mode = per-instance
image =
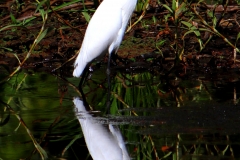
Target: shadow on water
{"type": "Point", "coordinates": [159, 116]}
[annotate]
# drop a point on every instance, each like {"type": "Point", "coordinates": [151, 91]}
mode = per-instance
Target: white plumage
{"type": "Point", "coordinates": [104, 32]}
{"type": "Point", "coordinates": [104, 142]}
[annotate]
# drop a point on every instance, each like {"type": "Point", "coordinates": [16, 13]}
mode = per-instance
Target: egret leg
{"type": "Point", "coordinates": [83, 77]}
{"type": "Point", "coordinates": [84, 100]}
{"type": "Point", "coordinates": [109, 84]}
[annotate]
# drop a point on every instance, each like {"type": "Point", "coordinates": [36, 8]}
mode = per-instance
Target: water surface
{"type": "Point", "coordinates": [159, 116]}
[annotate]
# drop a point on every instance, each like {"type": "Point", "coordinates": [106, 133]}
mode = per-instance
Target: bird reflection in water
{"type": "Point", "coordinates": [104, 142]}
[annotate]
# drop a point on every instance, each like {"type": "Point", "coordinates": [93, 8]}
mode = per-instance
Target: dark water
{"type": "Point", "coordinates": [159, 117]}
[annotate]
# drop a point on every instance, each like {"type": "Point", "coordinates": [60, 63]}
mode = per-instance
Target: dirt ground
{"type": "Point", "coordinates": [158, 42]}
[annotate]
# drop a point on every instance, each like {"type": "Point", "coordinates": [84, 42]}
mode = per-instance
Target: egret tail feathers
{"type": "Point", "coordinates": [79, 66]}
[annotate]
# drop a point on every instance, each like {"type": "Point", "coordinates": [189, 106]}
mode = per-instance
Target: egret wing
{"type": "Point", "coordinates": [102, 31]}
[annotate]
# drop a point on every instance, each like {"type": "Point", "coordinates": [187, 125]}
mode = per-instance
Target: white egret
{"type": "Point", "coordinates": [104, 32]}
{"type": "Point", "coordinates": [104, 142]}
